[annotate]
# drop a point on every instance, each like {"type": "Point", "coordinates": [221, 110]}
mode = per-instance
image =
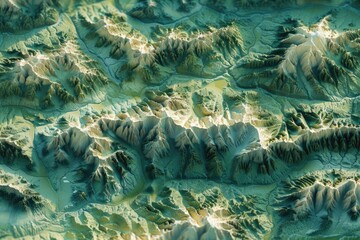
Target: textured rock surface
{"type": "Point", "coordinates": [174, 119]}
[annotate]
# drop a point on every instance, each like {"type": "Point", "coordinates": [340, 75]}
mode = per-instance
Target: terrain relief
{"type": "Point", "coordinates": [179, 119]}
